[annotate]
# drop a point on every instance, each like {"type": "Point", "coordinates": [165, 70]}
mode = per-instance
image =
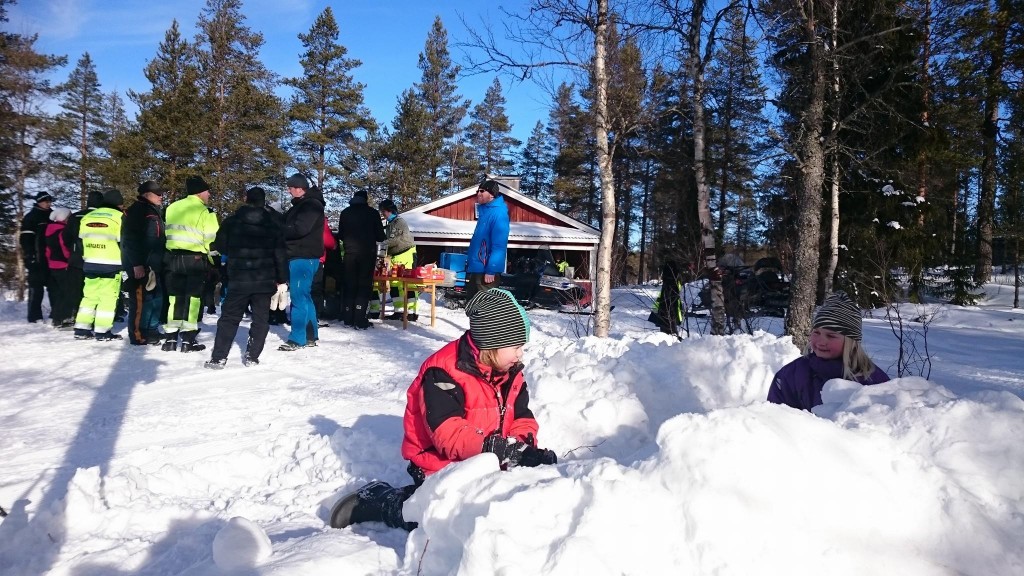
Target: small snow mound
{"type": "Point", "coordinates": [240, 544]}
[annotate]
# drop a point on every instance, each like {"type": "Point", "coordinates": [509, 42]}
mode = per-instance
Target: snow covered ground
{"type": "Point", "coordinates": [126, 460]}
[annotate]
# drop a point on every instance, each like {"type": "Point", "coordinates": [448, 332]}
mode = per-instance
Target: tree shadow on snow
{"type": "Point", "coordinates": [186, 548]}
{"type": "Point", "coordinates": [41, 526]}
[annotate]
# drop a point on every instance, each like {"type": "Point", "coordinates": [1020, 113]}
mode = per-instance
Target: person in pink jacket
{"type": "Point", "coordinates": [57, 254]}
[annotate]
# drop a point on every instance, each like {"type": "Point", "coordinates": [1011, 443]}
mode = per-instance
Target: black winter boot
{"type": "Point", "coordinates": [375, 502]}
{"type": "Point", "coordinates": [188, 342]}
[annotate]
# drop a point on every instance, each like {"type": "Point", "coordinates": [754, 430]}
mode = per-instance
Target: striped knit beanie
{"type": "Point", "coordinates": [496, 320]}
{"type": "Point", "coordinates": [841, 314]}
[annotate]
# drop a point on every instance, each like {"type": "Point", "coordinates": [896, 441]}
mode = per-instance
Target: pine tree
{"type": "Point", "coordinates": [244, 119]}
{"type": "Point", "coordinates": [535, 161]}
{"type": "Point", "coordinates": [80, 130]}
{"type": "Point", "coordinates": [737, 131]}
{"type": "Point", "coordinates": [489, 134]}
{"type": "Point", "coordinates": [409, 159]}
{"type": "Point", "coordinates": [627, 87]}
{"type": "Point", "coordinates": [169, 119]}
{"type": "Point", "coordinates": [24, 88]}
{"type": "Point", "coordinates": [327, 111]}
{"type": "Point", "coordinates": [568, 129]}
{"type": "Point", "coordinates": [124, 148]}
{"type": "Point", "coordinates": [445, 109]}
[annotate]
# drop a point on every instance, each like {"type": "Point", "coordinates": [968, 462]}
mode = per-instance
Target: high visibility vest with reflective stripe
{"type": "Point", "coordinates": [100, 232]}
{"type": "Point", "coordinates": [190, 226]}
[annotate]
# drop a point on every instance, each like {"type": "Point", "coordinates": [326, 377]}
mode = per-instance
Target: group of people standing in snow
{"type": "Point", "coordinates": [163, 264]}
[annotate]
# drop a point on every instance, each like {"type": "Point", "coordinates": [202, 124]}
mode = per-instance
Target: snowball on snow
{"type": "Point", "coordinates": [240, 544]}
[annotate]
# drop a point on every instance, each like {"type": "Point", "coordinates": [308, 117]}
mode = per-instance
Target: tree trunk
{"type": "Point", "coordinates": [990, 144]}
{"type": "Point", "coordinates": [726, 162]}
{"type": "Point", "coordinates": [1016, 273]}
{"type": "Point", "coordinates": [707, 229]}
{"type": "Point", "coordinates": [19, 214]}
{"type": "Point", "coordinates": [926, 96]}
{"type": "Point", "coordinates": [646, 205]}
{"type": "Point", "coordinates": [833, 232]}
{"type": "Point", "coordinates": [809, 193]}
{"type": "Point", "coordinates": [603, 294]}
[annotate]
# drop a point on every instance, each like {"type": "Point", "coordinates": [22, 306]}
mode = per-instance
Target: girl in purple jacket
{"type": "Point", "coordinates": [834, 351]}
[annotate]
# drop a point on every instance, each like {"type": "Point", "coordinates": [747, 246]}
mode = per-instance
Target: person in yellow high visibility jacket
{"type": "Point", "coordinates": [100, 234]}
{"type": "Point", "coordinates": [667, 313]}
{"type": "Point", "coordinates": [191, 229]}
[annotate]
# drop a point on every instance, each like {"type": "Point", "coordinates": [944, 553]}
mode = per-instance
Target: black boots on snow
{"type": "Point", "coordinates": [375, 502]}
{"type": "Point", "coordinates": [188, 342]}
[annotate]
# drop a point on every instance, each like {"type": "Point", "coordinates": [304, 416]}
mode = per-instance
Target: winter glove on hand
{"type": "Point", "coordinates": [508, 450]}
{"type": "Point", "coordinates": [532, 457]}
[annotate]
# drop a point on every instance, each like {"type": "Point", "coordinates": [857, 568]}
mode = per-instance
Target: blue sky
{"type": "Point", "coordinates": [387, 35]}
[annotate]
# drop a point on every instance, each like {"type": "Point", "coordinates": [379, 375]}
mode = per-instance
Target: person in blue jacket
{"type": "Point", "coordinates": [834, 351]}
{"type": "Point", "coordinates": [486, 258]}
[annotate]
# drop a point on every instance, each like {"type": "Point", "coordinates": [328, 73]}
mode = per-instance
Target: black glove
{"type": "Point", "coordinates": [508, 450]}
{"type": "Point", "coordinates": [532, 457]}
{"type": "Point", "coordinates": [512, 452]}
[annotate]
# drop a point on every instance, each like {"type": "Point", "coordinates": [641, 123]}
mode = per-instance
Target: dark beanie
{"type": "Point", "coordinates": [151, 186]}
{"type": "Point", "coordinates": [43, 197]}
{"type": "Point", "coordinates": [840, 314]}
{"type": "Point", "coordinates": [255, 196]}
{"type": "Point", "coordinates": [297, 181]}
{"type": "Point", "coordinates": [496, 320]}
{"type": "Point", "coordinates": [389, 205]}
{"type": "Point", "coordinates": [491, 186]}
{"type": "Point", "coordinates": [94, 199]}
{"type": "Point", "coordinates": [195, 185]}
{"type": "Point", "coordinates": [112, 197]}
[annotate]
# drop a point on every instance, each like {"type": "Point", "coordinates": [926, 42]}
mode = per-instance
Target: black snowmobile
{"type": "Point", "coordinates": [535, 282]}
{"type": "Point", "coordinates": [758, 290]}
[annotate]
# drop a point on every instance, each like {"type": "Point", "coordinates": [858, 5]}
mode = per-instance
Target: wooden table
{"type": "Point", "coordinates": [384, 284]}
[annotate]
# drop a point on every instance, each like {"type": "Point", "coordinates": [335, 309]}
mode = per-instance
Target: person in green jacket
{"type": "Point", "coordinates": [401, 248]}
{"type": "Point", "coordinates": [191, 229]}
{"type": "Point", "coordinates": [100, 234]}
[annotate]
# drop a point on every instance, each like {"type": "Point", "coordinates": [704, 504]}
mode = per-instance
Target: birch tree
{"type": "Point", "coordinates": [566, 34]}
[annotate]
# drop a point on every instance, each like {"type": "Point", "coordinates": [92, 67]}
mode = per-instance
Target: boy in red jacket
{"type": "Point", "coordinates": [468, 398]}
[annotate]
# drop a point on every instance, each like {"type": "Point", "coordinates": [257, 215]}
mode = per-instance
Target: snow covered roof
{"type": "Point", "coordinates": [509, 192]}
{"type": "Point", "coordinates": [435, 226]}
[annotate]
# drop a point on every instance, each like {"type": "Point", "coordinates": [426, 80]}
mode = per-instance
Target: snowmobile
{"type": "Point", "coordinates": [757, 290]}
{"type": "Point", "coordinates": [534, 281]}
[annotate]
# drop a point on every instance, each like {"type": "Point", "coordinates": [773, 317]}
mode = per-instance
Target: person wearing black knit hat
{"type": "Point", "coordinates": [72, 239]}
{"type": "Point", "coordinates": [304, 238]}
{"type": "Point", "coordinates": [468, 398]}
{"type": "Point", "coordinates": [191, 229]}
{"type": "Point", "coordinates": [359, 230]}
{"type": "Point", "coordinates": [101, 234]}
{"type": "Point", "coordinates": [834, 350]}
{"type": "Point", "coordinates": [252, 239]}
{"type": "Point", "coordinates": [33, 226]}
{"type": "Point", "coordinates": [488, 246]}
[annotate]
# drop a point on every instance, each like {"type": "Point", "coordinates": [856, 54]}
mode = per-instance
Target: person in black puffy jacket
{"type": "Point", "coordinates": [257, 263]}
{"type": "Point", "coordinates": [359, 229]}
